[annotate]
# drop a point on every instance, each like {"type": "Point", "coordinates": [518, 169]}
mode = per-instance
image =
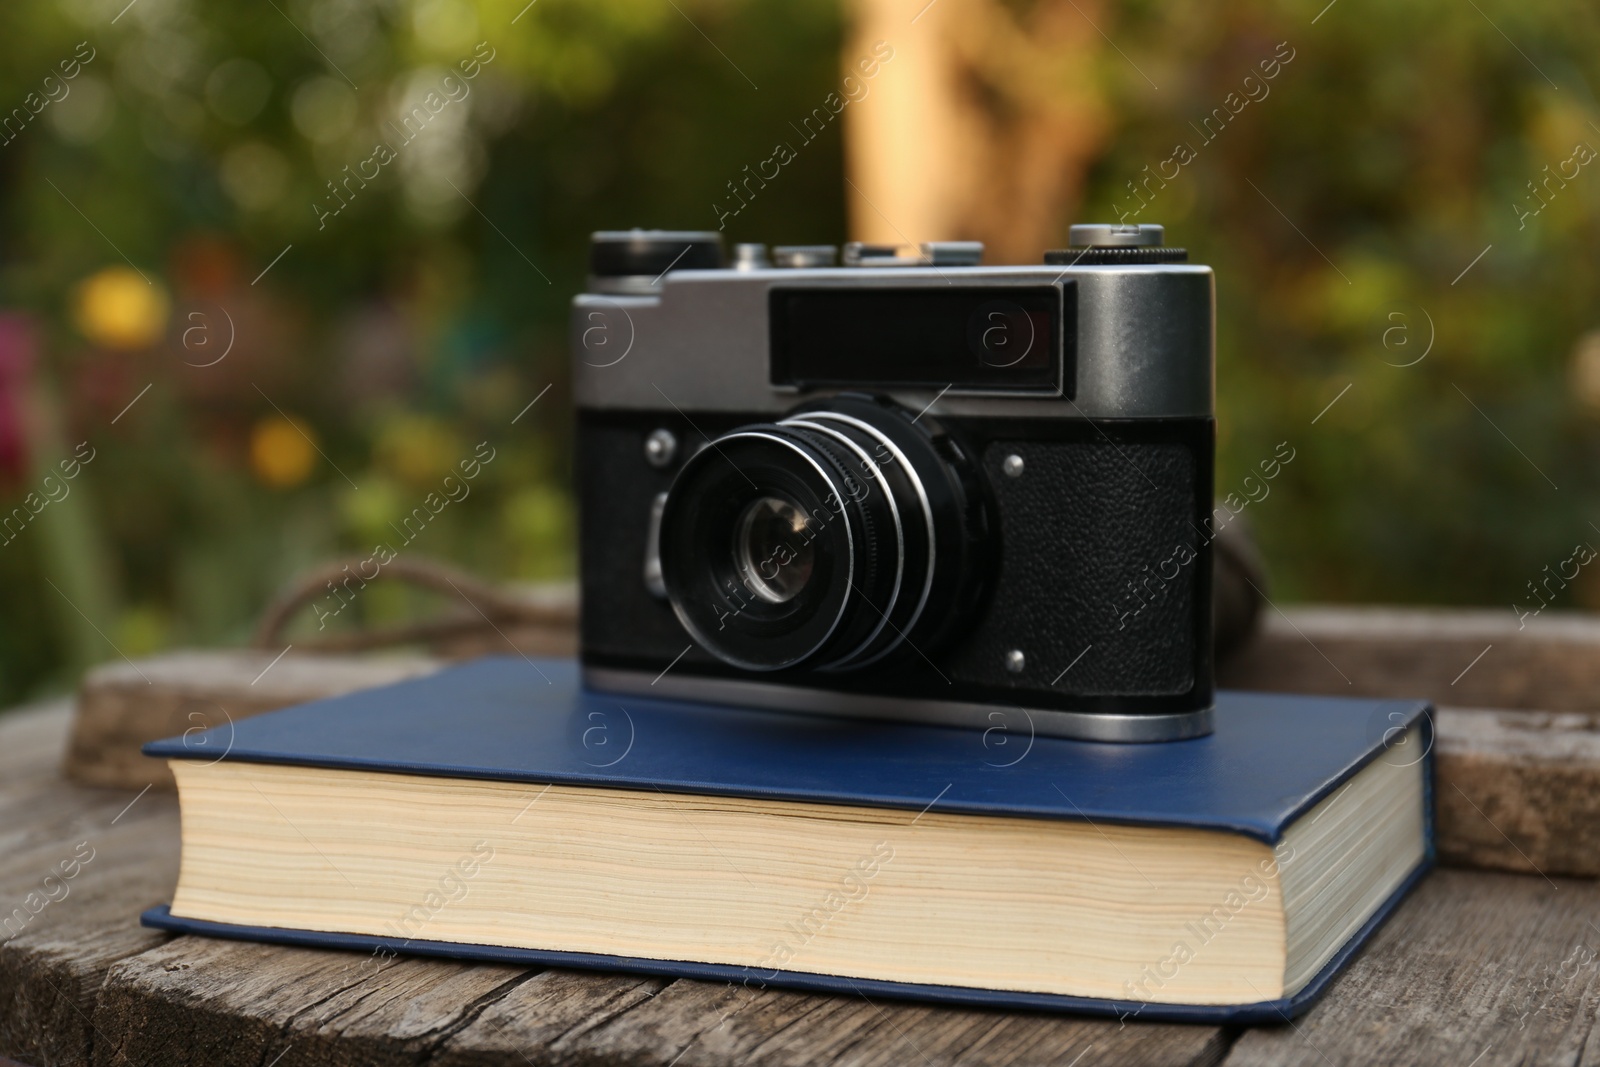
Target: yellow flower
{"type": "Point", "coordinates": [118, 308]}
{"type": "Point", "coordinates": [281, 451]}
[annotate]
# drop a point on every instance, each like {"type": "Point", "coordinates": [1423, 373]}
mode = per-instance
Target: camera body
{"type": "Point", "coordinates": [908, 487]}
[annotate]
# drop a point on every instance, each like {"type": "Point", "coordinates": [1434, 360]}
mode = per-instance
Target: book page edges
{"type": "Point", "coordinates": [1166, 915]}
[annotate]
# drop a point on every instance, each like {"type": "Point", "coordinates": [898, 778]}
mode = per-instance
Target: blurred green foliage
{"type": "Point", "coordinates": [1338, 211]}
{"type": "Point", "coordinates": [383, 343]}
{"type": "Point", "coordinates": [400, 332]}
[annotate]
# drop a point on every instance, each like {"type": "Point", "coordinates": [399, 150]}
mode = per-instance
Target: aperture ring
{"type": "Point", "coordinates": [899, 539]}
{"type": "Point", "coordinates": [927, 515]}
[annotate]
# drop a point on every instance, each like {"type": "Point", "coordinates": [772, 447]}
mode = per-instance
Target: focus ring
{"type": "Point", "coordinates": [924, 506]}
{"type": "Point", "coordinates": [874, 560]}
{"type": "Point", "coordinates": [883, 613]}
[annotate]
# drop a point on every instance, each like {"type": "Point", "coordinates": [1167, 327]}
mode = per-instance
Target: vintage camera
{"type": "Point", "coordinates": [904, 487]}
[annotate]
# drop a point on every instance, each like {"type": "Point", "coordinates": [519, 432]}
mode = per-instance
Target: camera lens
{"type": "Point", "coordinates": [842, 535]}
{"type": "Point", "coordinates": [772, 548]}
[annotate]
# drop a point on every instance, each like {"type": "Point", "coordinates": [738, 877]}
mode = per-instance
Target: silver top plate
{"type": "Point", "coordinates": [1144, 345]}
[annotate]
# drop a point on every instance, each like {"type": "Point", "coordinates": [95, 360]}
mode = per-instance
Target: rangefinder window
{"type": "Point", "coordinates": [1000, 338]}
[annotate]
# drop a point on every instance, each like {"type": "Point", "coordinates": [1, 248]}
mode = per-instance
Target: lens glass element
{"type": "Point", "coordinates": [772, 548]}
{"type": "Point", "coordinates": [824, 541]}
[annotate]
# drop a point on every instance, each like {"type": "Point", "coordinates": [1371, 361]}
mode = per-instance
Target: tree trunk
{"type": "Point", "coordinates": [981, 127]}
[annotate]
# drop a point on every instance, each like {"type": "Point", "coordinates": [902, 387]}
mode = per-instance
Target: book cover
{"type": "Point", "coordinates": [1270, 760]}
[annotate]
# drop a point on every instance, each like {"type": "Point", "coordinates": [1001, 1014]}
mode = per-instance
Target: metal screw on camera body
{"type": "Point", "coordinates": [1016, 661]}
{"type": "Point", "coordinates": [660, 448]}
{"type": "Point", "coordinates": [1012, 466]}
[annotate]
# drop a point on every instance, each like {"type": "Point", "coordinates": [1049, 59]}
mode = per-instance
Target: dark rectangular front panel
{"type": "Point", "coordinates": [1098, 565]}
{"type": "Point", "coordinates": [1102, 567]}
{"type": "Point", "coordinates": [1005, 338]}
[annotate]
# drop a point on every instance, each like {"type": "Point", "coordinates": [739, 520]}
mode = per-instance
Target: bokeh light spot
{"type": "Point", "coordinates": [1586, 371]}
{"type": "Point", "coordinates": [282, 452]}
{"type": "Point", "coordinates": [118, 308]}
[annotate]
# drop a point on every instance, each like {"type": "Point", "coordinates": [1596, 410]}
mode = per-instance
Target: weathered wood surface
{"type": "Point", "coordinates": [53, 963]}
{"type": "Point", "coordinates": [1519, 791]}
{"type": "Point", "coordinates": [1494, 966]}
{"type": "Point", "coordinates": [1518, 720]}
{"type": "Point", "coordinates": [1481, 658]}
{"type": "Point", "coordinates": [124, 705]}
{"type": "Point", "coordinates": [1475, 969]}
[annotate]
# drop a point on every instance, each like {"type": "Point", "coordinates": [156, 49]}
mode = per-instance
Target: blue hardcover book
{"type": "Point", "coordinates": [498, 811]}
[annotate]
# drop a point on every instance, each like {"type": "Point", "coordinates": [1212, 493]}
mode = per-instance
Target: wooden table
{"type": "Point", "coordinates": [1475, 969]}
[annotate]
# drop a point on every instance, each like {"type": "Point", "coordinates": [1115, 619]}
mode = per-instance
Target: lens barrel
{"type": "Point", "coordinates": [840, 536]}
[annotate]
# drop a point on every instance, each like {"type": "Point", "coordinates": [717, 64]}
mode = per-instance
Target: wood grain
{"type": "Point", "coordinates": [1475, 969]}
{"type": "Point", "coordinates": [1519, 791]}
{"type": "Point", "coordinates": [232, 1003]}
{"type": "Point", "coordinates": [564, 1017]}
{"type": "Point", "coordinates": [1461, 658]}
{"type": "Point", "coordinates": [52, 964]}
{"type": "Point", "coordinates": [123, 706]}
{"type": "Point", "coordinates": [237, 1004]}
